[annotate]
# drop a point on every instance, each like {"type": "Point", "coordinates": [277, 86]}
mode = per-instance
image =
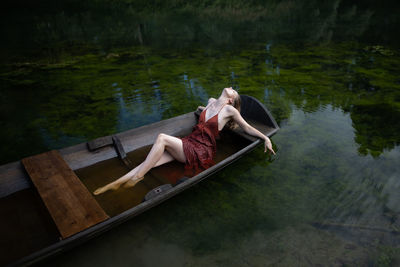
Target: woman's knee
{"type": "Point", "coordinates": [162, 138]}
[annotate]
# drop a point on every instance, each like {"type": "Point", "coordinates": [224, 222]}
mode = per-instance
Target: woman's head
{"type": "Point", "coordinates": [236, 102]}
{"type": "Point", "coordinates": [233, 97]}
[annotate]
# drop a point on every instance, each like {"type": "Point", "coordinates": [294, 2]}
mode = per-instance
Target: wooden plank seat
{"type": "Point", "coordinates": [70, 204]}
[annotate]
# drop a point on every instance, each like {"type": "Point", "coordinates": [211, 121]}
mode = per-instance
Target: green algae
{"type": "Point", "coordinates": [91, 87]}
{"type": "Point", "coordinates": [387, 256]}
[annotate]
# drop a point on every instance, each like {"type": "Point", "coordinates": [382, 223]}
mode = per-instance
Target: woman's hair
{"type": "Point", "coordinates": [236, 104]}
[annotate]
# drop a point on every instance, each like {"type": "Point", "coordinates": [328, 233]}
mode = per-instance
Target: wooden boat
{"type": "Point", "coordinates": [47, 209]}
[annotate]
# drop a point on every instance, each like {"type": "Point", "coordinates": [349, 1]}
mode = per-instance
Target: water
{"type": "Point", "coordinates": [328, 72]}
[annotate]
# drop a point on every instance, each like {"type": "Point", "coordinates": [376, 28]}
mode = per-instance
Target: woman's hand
{"type": "Point", "coordinates": [235, 114]}
{"type": "Point", "coordinates": [268, 146]}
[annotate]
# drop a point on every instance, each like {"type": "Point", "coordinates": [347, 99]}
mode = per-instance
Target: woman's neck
{"type": "Point", "coordinates": [222, 100]}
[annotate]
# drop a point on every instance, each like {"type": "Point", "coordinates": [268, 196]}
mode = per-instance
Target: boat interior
{"type": "Point", "coordinates": [31, 222]}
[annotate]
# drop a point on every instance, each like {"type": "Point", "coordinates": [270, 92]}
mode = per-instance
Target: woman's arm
{"type": "Point", "coordinates": [250, 129]}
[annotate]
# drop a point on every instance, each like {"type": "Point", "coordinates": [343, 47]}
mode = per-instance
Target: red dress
{"type": "Point", "coordinates": [200, 147]}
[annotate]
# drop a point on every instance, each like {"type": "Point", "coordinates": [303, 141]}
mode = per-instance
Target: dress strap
{"type": "Point", "coordinates": [221, 108]}
{"type": "Point", "coordinates": [204, 112]}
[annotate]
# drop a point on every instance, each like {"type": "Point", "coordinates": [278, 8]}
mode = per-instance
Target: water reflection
{"type": "Point", "coordinates": [141, 85]}
{"type": "Point", "coordinates": [102, 25]}
{"type": "Point", "coordinates": [194, 89]}
{"type": "Point", "coordinates": [134, 109]}
{"type": "Point", "coordinates": [376, 128]}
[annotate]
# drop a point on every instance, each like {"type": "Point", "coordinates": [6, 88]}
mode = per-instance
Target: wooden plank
{"type": "Point", "coordinates": [118, 147]}
{"type": "Point", "coordinates": [121, 152]}
{"type": "Point", "coordinates": [70, 204]}
{"type": "Point", "coordinates": [99, 142]}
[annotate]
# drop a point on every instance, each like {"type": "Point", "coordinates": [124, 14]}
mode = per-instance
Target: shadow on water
{"type": "Point", "coordinates": [328, 72]}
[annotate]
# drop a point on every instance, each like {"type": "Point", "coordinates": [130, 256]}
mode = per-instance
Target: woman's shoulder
{"type": "Point", "coordinates": [230, 109]}
{"type": "Point", "coordinates": [211, 100]}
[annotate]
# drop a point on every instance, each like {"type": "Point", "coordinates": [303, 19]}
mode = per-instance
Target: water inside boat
{"type": "Point", "coordinates": [123, 199]}
{"type": "Point", "coordinates": [25, 225]}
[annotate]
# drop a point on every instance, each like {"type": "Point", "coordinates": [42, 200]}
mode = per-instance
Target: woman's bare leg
{"type": "Point", "coordinates": [165, 158]}
{"type": "Point", "coordinates": [163, 143]}
{"type": "Point", "coordinates": [131, 181]}
{"type": "Point", "coordinates": [165, 149]}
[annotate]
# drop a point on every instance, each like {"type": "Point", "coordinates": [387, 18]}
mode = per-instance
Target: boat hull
{"type": "Point", "coordinates": [14, 177]}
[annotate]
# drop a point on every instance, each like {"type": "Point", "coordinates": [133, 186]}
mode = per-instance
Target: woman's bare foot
{"type": "Point", "coordinates": [132, 182]}
{"type": "Point", "coordinates": [105, 188]}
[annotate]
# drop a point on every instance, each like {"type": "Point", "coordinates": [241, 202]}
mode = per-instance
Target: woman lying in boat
{"type": "Point", "coordinates": [198, 149]}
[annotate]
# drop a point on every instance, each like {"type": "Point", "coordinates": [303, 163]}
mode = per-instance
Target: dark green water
{"type": "Point", "coordinates": [329, 74]}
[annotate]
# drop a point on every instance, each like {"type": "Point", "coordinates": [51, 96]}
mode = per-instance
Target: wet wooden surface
{"type": "Point", "coordinates": [69, 203]}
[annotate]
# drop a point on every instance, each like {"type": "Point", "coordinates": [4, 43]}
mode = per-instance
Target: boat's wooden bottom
{"type": "Point", "coordinates": [70, 204]}
{"type": "Point", "coordinates": [25, 226]}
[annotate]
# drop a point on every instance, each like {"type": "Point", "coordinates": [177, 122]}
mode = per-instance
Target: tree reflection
{"type": "Point", "coordinates": [72, 26]}
{"type": "Point", "coordinates": [376, 128]}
